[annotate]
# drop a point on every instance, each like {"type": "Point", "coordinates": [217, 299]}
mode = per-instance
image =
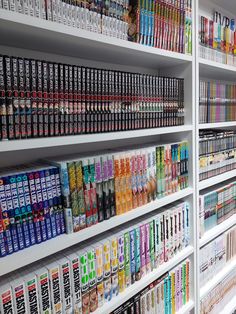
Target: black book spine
{"type": "Point", "coordinates": [28, 111]}
{"type": "Point", "coordinates": [75, 100]}
{"type": "Point", "coordinates": [34, 107]}
{"type": "Point", "coordinates": [16, 98]}
{"type": "Point", "coordinates": [61, 100]}
{"type": "Point", "coordinates": [45, 99]}
{"type": "Point", "coordinates": [56, 109]}
{"type": "Point", "coordinates": [3, 105]}
{"type": "Point", "coordinates": [66, 99]}
{"type": "Point", "coordinates": [40, 99]}
{"type": "Point", "coordinates": [83, 100]}
{"type": "Point", "coordinates": [51, 112]}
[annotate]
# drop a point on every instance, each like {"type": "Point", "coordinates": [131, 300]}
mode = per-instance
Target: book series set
{"type": "Point", "coordinates": [217, 38]}
{"type": "Point", "coordinates": [215, 255]}
{"type": "Point", "coordinates": [165, 24]}
{"type": "Point", "coordinates": [81, 281]}
{"type": "Point", "coordinates": [97, 187]}
{"type": "Point", "coordinates": [217, 150]}
{"type": "Point", "coordinates": [214, 301]}
{"type": "Point", "coordinates": [39, 202]}
{"type": "Point", "coordinates": [217, 102]}
{"type": "Point", "coordinates": [215, 206]}
{"type": "Point", "coordinates": [166, 295]}
{"type": "Point", "coordinates": [42, 99]}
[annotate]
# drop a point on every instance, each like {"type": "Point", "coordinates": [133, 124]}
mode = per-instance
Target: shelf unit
{"type": "Point", "coordinates": [30, 37]}
{"type": "Point", "coordinates": [212, 70]}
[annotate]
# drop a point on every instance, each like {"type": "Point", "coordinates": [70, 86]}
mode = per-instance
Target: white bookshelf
{"type": "Point", "coordinates": [31, 37]}
{"type": "Point", "coordinates": [212, 70]}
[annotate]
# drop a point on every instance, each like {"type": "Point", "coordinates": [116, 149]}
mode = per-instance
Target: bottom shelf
{"type": "Point", "coordinates": [144, 282]}
{"type": "Point", "coordinates": [217, 279]}
{"type": "Point", "coordinates": [230, 307]}
{"type": "Point", "coordinates": [186, 308]}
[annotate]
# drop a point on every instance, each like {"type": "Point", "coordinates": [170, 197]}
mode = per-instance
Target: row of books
{"type": "Point", "coordinates": [216, 56]}
{"type": "Point", "coordinates": [215, 255]}
{"type": "Point", "coordinates": [217, 153]}
{"type": "Point", "coordinates": [216, 102]}
{"type": "Point", "coordinates": [218, 33]}
{"type": "Point", "coordinates": [104, 17]}
{"type": "Point", "coordinates": [216, 299]}
{"type": "Point", "coordinates": [99, 186]}
{"type": "Point", "coordinates": [39, 202]}
{"type": "Point", "coordinates": [31, 208]}
{"type": "Point", "coordinates": [166, 295]}
{"type": "Point", "coordinates": [163, 24]}
{"type": "Point", "coordinates": [216, 206]}
{"type": "Point", "coordinates": [41, 99]}
{"type": "Point", "coordinates": [80, 281]}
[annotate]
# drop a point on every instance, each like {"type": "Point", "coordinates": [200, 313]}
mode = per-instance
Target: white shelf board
{"type": "Point", "coordinates": [216, 70]}
{"type": "Point", "coordinates": [186, 308]}
{"type": "Point", "coordinates": [217, 230]}
{"type": "Point", "coordinates": [230, 307]}
{"type": "Point", "coordinates": [16, 145]}
{"type": "Point", "coordinates": [144, 282]}
{"type": "Point", "coordinates": [28, 32]}
{"type": "Point", "coordinates": [217, 179]}
{"type": "Point", "coordinates": [203, 126]}
{"type": "Point", "coordinates": [34, 253]}
{"type": "Point", "coordinates": [217, 278]}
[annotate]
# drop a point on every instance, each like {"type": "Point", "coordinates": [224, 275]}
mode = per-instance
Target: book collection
{"type": "Point", "coordinates": [31, 208]}
{"type": "Point", "coordinates": [219, 296]}
{"type": "Point", "coordinates": [41, 99]}
{"type": "Point", "coordinates": [97, 187]}
{"type": "Point", "coordinates": [217, 102]}
{"type": "Point", "coordinates": [81, 281]}
{"type": "Point", "coordinates": [216, 206]}
{"type": "Point", "coordinates": [217, 38]}
{"type": "Point", "coordinates": [39, 202]}
{"type": "Point", "coordinates": [217, 150]}
{"type": "Point", "coordinates": [163, 24]}
{"type": "Point", "coordinates": [166, 295]}
{"type": "Point", "coordinates": [215, 255]}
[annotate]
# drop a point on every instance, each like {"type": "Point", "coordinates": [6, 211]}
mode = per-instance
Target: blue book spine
{"type": "Point", "coordinates": [40, 205]}
{"type": "Point", "coordinates": [50, 202]}
{"type": "Point", "coordinates": [16, 212]}
{"type": "Point", "coordinates": [23, 210]}
{"type": "Point", "coordinates": [46, 207]}
{"type": "Point", "coordinates": [35, 209]}
{"type": "Point", "coordinates": [10, 231]}
{"type": "Point", "coordinates": [29, 211]}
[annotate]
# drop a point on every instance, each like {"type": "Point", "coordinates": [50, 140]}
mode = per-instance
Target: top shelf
{"type": "Point", "coordinates": [28, 32]}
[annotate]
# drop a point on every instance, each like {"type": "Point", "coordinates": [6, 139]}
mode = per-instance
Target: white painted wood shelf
{"type": "Point", "coordinates": [217, 278]}
{"type": "Point", "coordinates": [62, 141]}
{"type": "Point", "coordinates": [216, 125]}
{"type": "Point", "coordinates": [28, 32]}
{"type": "Point", "coordinates": [217, 179]}
{"type": "Point", "coordinates": [147, 280]}
{"type": "Point", "coordinates": [39, 251]}
{"type": "Point", "coordinates": [218, 230]}
{"type": "Point", "coordinates": [216, 70]}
